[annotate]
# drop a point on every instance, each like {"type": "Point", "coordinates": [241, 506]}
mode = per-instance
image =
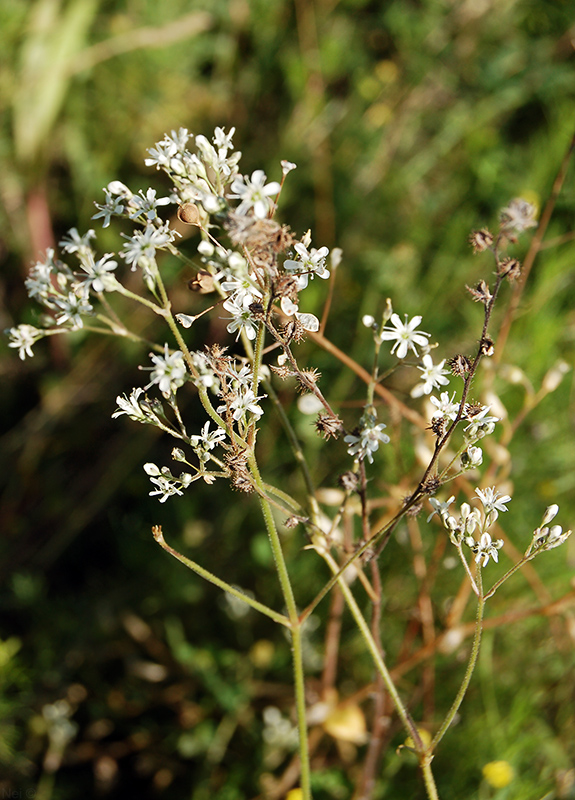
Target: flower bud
{"type": "Point", "coordinates": [554, 376]}
{"type": "Point", "coordinates": [550, 514]}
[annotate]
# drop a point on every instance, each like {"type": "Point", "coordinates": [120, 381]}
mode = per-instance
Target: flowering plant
{"type": "Point", "coordinates": [257, 272]}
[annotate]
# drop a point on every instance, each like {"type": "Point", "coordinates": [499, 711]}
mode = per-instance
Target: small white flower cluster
{"type": "Point", "coordinates": [545, 537]}
{"type": "Point", "coordinates": [307, 263]}
{"type": "Point", "coordinates": [166, 483]}
{"type": "Point", "coordinates": [169, 371]}
{"type": "Point", "coordinates": [366, 441]}
{"type": "Point", "coordinates": [462, 529]}
{"type": "Point", "coordinates": [67, 294]}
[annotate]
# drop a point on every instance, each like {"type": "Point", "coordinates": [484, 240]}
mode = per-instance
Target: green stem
{"type": "Point", "coordinates": [509, 573]}
{"type": "Point", "coordinates": [469, 671]}
{"type": "Point", "coordinates": [374, 651]}
{"type": "Point", "coordinates": [208, 576]}
{"type": "Point", "coordinates": [429, 780]}
{"type": "Point", "coordinates": [299, 456]}
{"type": "Point", "coordinates": [295, 626]}
{"type": "Point", "coordinates": [138, 299]}
{"type": "Point", "coordinates": [287, 499]}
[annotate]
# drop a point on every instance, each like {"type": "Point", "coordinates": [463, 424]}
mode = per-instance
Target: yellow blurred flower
{"type": "Point", "coordinates": [346, 723]}
{"type": "Point", "coordinates": [294, 794]}
{"type": "Point", "coordinates": [424, 735]}
{"type": "Point", "coordinates": [498, 773]}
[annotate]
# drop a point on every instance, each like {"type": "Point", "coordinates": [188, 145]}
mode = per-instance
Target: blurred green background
{"type": "Point", "coordinates": [411, 123]}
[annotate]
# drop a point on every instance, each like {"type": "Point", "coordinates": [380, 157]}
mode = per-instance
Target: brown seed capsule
{"type": "Point", "coordinates": [189, 214]}
{"type": "Point", "coordinates": [480, 293]}
{"type": "Point", "coordinates": [510, 267]}
{"type": "Point", "coordinates": [203, 282]}
{"type": "Point", "coordinates": [328, 426]}
{"type": "Point", "coordinates": [481, 240]}
{"type": "Point", "coordinates": [487, 346]}
{"type": "Point", "coordinates": [460, 365]}
{"type": "Point", "coordinates": [348, 481]}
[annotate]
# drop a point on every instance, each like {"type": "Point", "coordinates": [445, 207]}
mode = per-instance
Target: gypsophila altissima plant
{"type": "Point", "coordinates": [257, 271]}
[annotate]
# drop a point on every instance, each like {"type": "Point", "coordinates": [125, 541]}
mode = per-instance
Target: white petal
{"type": "Point", "coordinates": [309, 322]}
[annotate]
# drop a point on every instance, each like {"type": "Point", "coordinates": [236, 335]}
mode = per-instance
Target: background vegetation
{"type": "Point", "coordinates": [411, 123]}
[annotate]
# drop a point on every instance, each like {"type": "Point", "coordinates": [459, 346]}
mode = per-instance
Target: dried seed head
{"type": "Point", "coordinates": [481, 240]}
{"type": "Point", "coordinates": [282, 371]}
{"type": "Point", "coordinates": [258, 233]}
{"type": "Point", "coordinates": [480, 293]}
{"type": "Point", "coordinates": [349, 481]}
{"type": "Point", "coordinates": [510, 267]}
{"type": "Point", "coordinates": [307, 379]}
{"type": "Point", "coordinates": [431, 485]}
{"type": "Point", "coordinates": [487, 346]}
{"type": "Point", "coordinates": [460, 365]}
{"type": "Point", "coordinates": [437, 426]}
{"type": "Point", "coordinates": [518, 216]}
{"type": "Point", "coordinates": [472, 409]}
{"type": "Point", "coordinates": [285, 286]}
{"type": "Point", "coordinates": [239, 475]}
{"type": "Point", "coordinates": [328, 426]}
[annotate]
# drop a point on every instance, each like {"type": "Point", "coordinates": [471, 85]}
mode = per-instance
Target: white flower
{"type": "Point", "coordinates": [550, 513]}
{"type": "Point", "coordinates": [308, 263]}
{"type": "Point", "coordinates": [73, 307]}
{"type": "Point", "coordinates": [242, 318]}
{"type": "Point", "coordinates": [74, 243]}
{"type": "Point", "coordinates": [309, 322]}
{"type": "Point", "coordinates": [254, 193]}
{"type": "Point", "coordinates": [446, 408]}
{"type": "Point", "coordinates": [166, 488]}
{"type": "Point", "coordinates": [556, 537]}
{"type": "Point", "coordinates": [207, 377]}
{"type": "Point", "coordinates": [47, 279]}
{"type": "Point", "coordinates": [216, 155]}
{"type": "Point", "coordinates": [243, 289]}
{"type": "Point", "coordinates": [480, 424]}
{"type": "Point", "coordinates": [245, 401]}
{"type": "Point", "coordinates": [23, 337]}
{"type": "Point", "coordinates": [208, 439]}
{"type": "Point", "coordinates": [146, 204]}
{"type": "Point", "coordinates": [486, 548]}
{"type": "Point", "coordinates": [492, 501]}
{"type": "Point", "coordinates": [545, 538]}
{"type": "Point", "coordinates": [433, 376]}
{"type": "Point", "coordinates": [169, 372]}
{"type": "Point", "coordinates": [405, 335]}
{"type": "Point", "coordinates": [98, 273]}
{"type": "Point", "coordinates": [167, 154]}
{"type": "Point", "coordinates": [131, 406]}
{"type": "Point", "coordinates": [473, 457]}
{"type": "Point", "coordinates": [114, 206]}
{"type": "Point", "coordinates": [367, 442]}
{"type": "Point", "coordinates": [440, 507]}
{"type": "Point", "coordinates": [470, 518]}
{"type": "Point", "coordinates": [140, 249]}
{"type": "Point", "coordinates": [239, 377]}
